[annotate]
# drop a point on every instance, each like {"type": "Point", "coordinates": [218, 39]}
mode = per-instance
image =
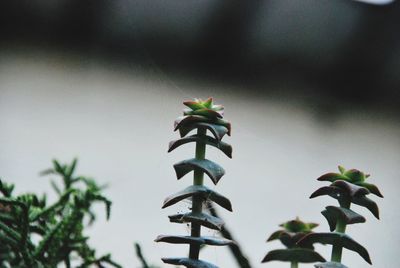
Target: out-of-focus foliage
{"type": "Point", "coordinates": [34, 233]}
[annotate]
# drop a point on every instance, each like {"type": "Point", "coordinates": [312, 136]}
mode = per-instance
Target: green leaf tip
{"type": "Point", "coordinates": [297, 225]}
{"type": "Point", "coordinates": [204, 108]}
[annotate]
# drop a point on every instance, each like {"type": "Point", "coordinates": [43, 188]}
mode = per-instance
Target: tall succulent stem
{"type": "Point", "coordinates": [197, 203]}
{"type": "Point", "coordinates": [294, 264]}
{"type": "Point", "coordinates": [340, 228]}
{"type": "Point", "coordinates": [202, 116]}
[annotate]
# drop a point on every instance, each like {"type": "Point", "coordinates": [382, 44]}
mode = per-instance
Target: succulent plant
{"type": "Point", "coordinates": [34, 234]}
{"type": "Point", "coordinates": [200, 116]}
{"type": "Point", "coordinates": [348, 187]}
{"type": "Point", "coordinates": [291, 232]}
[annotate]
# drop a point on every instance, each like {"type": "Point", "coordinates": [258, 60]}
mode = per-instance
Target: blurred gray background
{"type": "Point", "coordinates": [306, 84]}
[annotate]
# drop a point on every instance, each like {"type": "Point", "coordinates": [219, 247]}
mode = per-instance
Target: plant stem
{"type": "Point", "coordinates": [340, 228]}
{"type": "Point", "coordinates": [294, 264]}
{"type": "Point", "coordinates": [140, 256]}
{"type": "Point", "coordinates": [197, 203]}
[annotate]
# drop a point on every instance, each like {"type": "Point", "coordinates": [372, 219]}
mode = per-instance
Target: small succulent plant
{"type": "Point", "coordinates": [200, 116]}
{"type": "Point", "coordinates": [291, 232]}
{"type": "Point", "coordinates": [34, 234]}
{"type": "Point", "coordinates": [348, 187]}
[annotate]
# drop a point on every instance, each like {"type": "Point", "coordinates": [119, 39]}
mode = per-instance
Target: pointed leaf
{"type": "Point", "coordinates": [212, 169]}
{"type": "Point", "coordinates": [290, 239]}
{"type": "Point", "coordinates": [367, 203]}
{"type": "Point", "coordinates": [217, 130]}
{"type": "Point", "coordinates": [341, 169]}
{"type": "Point", "coordinates": [208, 103]}
{"type": "Point", "coordinates": [330, 265]}
{"type": "Point", "coordinates": [71, 168]}
{"type": "Point", "coordinates": [332, 214]}
{"type": "Point", "coordinates": [371, 187]}
{"type": "Point", "coordinates": [211, 114]}
{"type": "Point", "coordinates": [189, 263]}
{"type": "Point", "coordinates": [203, 240]}
{"type": "Point", "coordinates": [194, 105]}
{"type": "Point", "coordinates": [293, 255]}
{"type": "Point", "coordinates": [223, 146]}
{"type": "Point", "coordinates": [338, 239]}
{"type": "Point", "coordinates": [199, 218]}
{"type": "Point", "coordinates": [275, 235]}
{"type": "Point", "coordinates": [198, 190]}
{"type": "Point", "coordinates": [332, 177]}
{"type": "Point", "coordinates": [327, 190]}
{"type": "Point", "coordinates": [189, 121]}
{"type": "Point", "coordinates": [350, 188]}
{"type": "Point", "coordinates": [354, 175]}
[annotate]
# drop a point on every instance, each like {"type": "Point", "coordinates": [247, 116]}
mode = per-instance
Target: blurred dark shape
{"type": "Point", "coordinates": [338, 51]}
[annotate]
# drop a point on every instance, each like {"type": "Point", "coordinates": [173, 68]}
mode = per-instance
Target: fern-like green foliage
{"type": "Point", "coordinates": [291, 232]}
{"type": "Point", "coordinates": [347, 187]}
{"type": "Point", "coordinates": [40, 235]}
{"type": "Point", "coordinates": [202, 116]}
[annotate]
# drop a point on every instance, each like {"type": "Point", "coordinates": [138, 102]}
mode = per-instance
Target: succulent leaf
{"type": "Point", "coordinates": [351, 189]}
{"type": "Point", "coordinates": [355, 175]}
{"type": "Point", "coordinates": [293, 255]}
{"type": "Point", "coordinates": [208, 103]}
{"type": "Point", "coordinates": [330, 265]}
{"type": "Point", "coordinates": [332, 214]}
{"type": "Point", "coordinates": [275, 235]}
{"type": "Point", "coordinates": [341, 169]}
{"type": "Point", "coordinates": [290, 239]}
{"type": "Point", "coordinates": [209, 113]}
{"type": "Point", "coordinates": [371, 187]}
{"type": "Point", "coordinates": [337, 239]}
{"type": "Point", "coordinates": [217, 130]}
{"type": "Point", "coordinates": [203, 240]}
{"type": "Point", "coordinates": [223, 146]}
{"type": "Point", "coordinates": [189, 263]}
{"type": "Point", "coordinates": [212, 169]}
{"type": "Point", "coordinates": [367, 203]}
{"type": "Point", "coordinates": [332, 177]}
{"type": "Point", "coordinates": [297, 225]}
{"type": "Point", "coordinates": [188, 120]}
{"type": "Point", "coordinates": [194, 105]}
{"type": "Point", "coordinates": [198, 190]}
{"type": "Point", "coordinates": [199, 218]}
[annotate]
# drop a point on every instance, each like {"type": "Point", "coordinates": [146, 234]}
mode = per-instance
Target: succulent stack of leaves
{"type": "Point", "coordinates": [34, 234]}
{"type": "Point", "coordinates": [200, 116]}
{"type": "Point", "coordinates": [347, 187]}
{"type": "Point", "coordinates": [291, 232]}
